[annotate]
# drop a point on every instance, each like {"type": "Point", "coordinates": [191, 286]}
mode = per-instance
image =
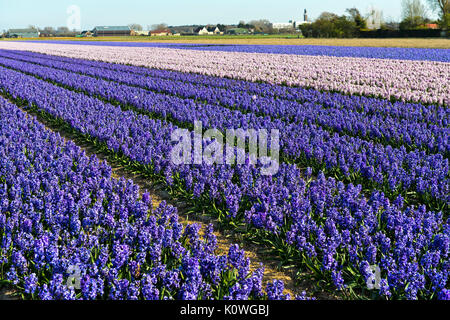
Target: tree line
{"type": "Point", "coordinates": [415, 16]}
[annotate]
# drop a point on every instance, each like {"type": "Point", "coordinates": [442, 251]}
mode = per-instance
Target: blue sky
{"type": "Point", "coordinates": [21, 13]}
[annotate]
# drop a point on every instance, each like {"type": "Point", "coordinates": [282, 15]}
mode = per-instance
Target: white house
{"type": "Point", "coordinates": [284, 25]}
{"type": "Point", "coordinates": [202, 31]}
{"type": "Point", "coordinates": [208, 31]}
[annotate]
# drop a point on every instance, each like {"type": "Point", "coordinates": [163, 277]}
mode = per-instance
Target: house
{"type": "Point", "coordinates": [141, 33]}
{"type": "Point", "coordinates": [161, 32]}
{"type": "Point", "coordinates": [109, 31]}
{"type": "Point", "coordinates": [22, 33]}
{"type": "Point", "coordinates": [201, 31]}
{"type": "Point", "coordinates": [284, 25]}
{"type": "Point", "coordinates": [45, 33]}
{"type": "Point", "coordinates": [291, 24]}
{"type": "Point", "coordinates": [434, 26]}
{"type": "Point", "coordinates": [214, 30]}
{"type": "Point", "coordinates": [86, 33]}
{"type": "Point", "coordinates": [207, 30]}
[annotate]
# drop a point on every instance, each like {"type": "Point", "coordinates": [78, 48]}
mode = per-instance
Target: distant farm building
{"type": "Point", "coordinates": [207, 30]}
{"type": "Point", "coordinates": [183, 30]}
{"type": "Point", "coordinates": [22, 33]}
{"type": "Point", "coordinates": [284, 25]}
{"type": "Point", "coordinates": [161, 32]}
{"type": "Point", "coordinates": [214, 30]}
{"type": "Point", "coordinates": [292, 24]}
{"type": "Point", "coordinates": [111, 31]}
{"type": "Point", "coordinates": [201, 31]}
{"type": "Point", "coordinates": [86, 33]}
{"type": "Point", "coordinates": [433, 26]}
{"type": "Point", "coordinates": [141, 33]}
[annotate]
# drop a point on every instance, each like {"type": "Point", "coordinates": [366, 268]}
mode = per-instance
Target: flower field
{"type": "Point", "coordinates": [362, 180]}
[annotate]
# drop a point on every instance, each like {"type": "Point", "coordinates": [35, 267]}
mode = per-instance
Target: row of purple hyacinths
{"type": "Point", "coordinates": [432, 114]}
{"type": "Point", "coordinates": [332, 227]}
{"type": "Point", "coordinates": [60, 208]}
{"type": "Point", "coordinates": [379, 127]}
{"type": "Point", "coordinates": [394, 170]}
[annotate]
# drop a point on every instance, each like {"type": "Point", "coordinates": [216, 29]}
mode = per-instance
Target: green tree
{"type": "Point", "coordinates": [357, 17]}
{"type": "Point", "coordinates": [330, 25]}
{"type": "Point", "coordinates": [244, 25]}
{"type": "Point", "coordinates": [135, 27]}
{"type": "Point", "coordinates": [222, 27]}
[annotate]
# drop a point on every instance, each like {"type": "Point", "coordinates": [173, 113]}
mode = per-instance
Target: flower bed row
{"type": "Point", "coordinates": [60, 208]}
{"type": "Point", "coordinates": [384, 129]}
{"type": "Point", "coordinates": [321, 224]}
{"type": "Point", "coordinates": [418, 81]}
{"type": "Point", "coordinates": [432, 114]}
{"type": "Point", "coordinates": [393, 170]}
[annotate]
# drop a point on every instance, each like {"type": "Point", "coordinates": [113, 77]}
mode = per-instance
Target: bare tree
{"type": "Point", "coordinates": [159, 26]}
{"type": "Point", "coordinates": [135, 26]}
{"type": "Point", "coordinates": [413, 9]}
{"type": "Point", "coordinates": [414, 14]}
{"type": "Point", "coordinates": [443, 7]}
{"type": "Point", "coordinates": [262, 25]}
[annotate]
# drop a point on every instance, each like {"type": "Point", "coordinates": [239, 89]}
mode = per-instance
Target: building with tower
{"type": "Point", "coordinates": [305, 19]}
{"type": "Point", "coordinates": [292, 24]}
